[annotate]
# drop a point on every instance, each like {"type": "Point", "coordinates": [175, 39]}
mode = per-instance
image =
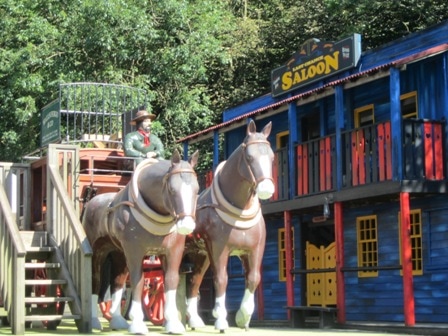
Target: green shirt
{"type": "Point", "coordinates": [134, 146]}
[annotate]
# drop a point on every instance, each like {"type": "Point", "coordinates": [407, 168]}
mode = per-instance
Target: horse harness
{"type": "Point", "coordinates": [144, 213]}
{"type": "Point", "coordinates": [233, 216]}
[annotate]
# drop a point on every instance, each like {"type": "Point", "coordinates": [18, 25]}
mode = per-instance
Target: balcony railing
{"type": "Point", "coordinates": [366, 158]}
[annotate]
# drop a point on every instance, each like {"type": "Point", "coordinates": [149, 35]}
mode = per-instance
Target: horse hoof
{"type": "Point", "coordinates": [174, 327]}
{"type": "Point", "coordinates": [221, 325]}
{"type": "Point", "coordinates": [242, 320]}
{"type": "Point", "coordinates": [196, 322]}
{"type": "Point", "coordinates": [96, 324]}
{"type": "Point", "coordinates": [118, 322]}
{"type": "Point", "coordinates": [139, 328]}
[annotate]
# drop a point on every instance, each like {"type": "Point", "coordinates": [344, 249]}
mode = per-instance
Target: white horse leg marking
{"type": "Point", "coordinates": [186, 225]}
{"type": "Point", "coordinates": [220, 313]}
{"type": "Point", "coordinates": [96, 324]}
{"type": "Point", "coordinates": [173, 325]}
{"type": "Point", "coordinates": [117, 322]}
{"type": "Point", "coordinates": [248, 304]}
{"type": "Point", "coordinates": [246, 310]}
{"type": "Point", "coordinates": [194, 320]}
{"type": "Point", "coordinates": [137, 326]}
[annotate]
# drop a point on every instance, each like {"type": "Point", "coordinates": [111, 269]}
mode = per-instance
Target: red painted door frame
{"type": "Point", "coordinates": [289, 261]}
{"type": "Point", "coordinates": [406, 257]}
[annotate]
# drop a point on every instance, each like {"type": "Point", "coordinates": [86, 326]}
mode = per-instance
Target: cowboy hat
{"type": "Point", "coordinates": [141, 115]}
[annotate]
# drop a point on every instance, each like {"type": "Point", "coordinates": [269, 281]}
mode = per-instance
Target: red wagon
{"type": "Point", "coordinates": [102, 167]}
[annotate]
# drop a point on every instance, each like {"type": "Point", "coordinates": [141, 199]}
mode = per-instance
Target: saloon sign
{"type": "Point", "coordinates": [316, 60]}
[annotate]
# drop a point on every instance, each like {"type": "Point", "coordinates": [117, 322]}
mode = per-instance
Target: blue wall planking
{"type": "Point", "coordinates": [274, 291]}
{"type": "Point", "coordinates": [372, 295]}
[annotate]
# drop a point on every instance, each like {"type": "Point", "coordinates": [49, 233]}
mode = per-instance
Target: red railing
{"type": "Point", "coordinates": [315, 166]}
{"type": "Point", "coordinates": [371, 154]}
{"type": "Point", "coordinates": [366, 158]}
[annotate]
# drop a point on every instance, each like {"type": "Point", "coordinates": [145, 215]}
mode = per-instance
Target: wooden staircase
{"type": "Point", "coordinates": [47, 281]}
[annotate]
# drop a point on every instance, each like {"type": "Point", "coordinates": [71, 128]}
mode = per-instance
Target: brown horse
{"type": "Point", "coordinates": [229, 222]}
{"type": "Point", "coordinates": [151, 216]}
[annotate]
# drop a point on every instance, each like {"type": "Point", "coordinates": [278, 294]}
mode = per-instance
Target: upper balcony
{"type": "Point", "coordinates": [364, 162]}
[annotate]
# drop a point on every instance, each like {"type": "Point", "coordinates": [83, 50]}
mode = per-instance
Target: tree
{"type": "Point", "coordinates": [194, 57]}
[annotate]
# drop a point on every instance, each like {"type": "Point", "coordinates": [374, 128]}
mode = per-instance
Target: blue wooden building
{"type": "Point", "coordinates": [359, 220]}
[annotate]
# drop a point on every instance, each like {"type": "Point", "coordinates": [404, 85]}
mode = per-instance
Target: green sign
{"type": "Point", "coordinates": [314, 61]}
{"type": "Point", "coordinates": [50, 123]}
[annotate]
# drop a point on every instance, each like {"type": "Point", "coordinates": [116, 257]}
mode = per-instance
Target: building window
{"type": "Point", "coordinates": [364, 116]}
{"type": "Point", "coordinates": [416, 240]}
{"type": "Point", "coordinates": [409, 105]}
{"type": "Point", "coordinates": [282, 139]}
{"type": "Point", "coordinates": [311, 126]}
{"type": "Point", "coordinates": [282, 253]}
{"type": "Point", "coordinates": [367, 245]}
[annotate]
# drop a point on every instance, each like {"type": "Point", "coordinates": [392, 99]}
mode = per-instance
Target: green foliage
{"type": "Point", "coordinates": [193, 57]}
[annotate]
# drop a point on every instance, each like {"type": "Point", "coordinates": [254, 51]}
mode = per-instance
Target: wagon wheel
{"type": "Point", "coordinates": [41, 290]}
{"type": "Point", "coordinates": [153, 295]}
{"type": "Point", "coordinates": [125, 306]}
{"type": "Point", "coordinates": [153, 300]}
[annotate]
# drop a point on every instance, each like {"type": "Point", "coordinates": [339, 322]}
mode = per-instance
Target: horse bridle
{"type": "Point", "coordinates": [253, 181]}
{"type": "Point", "coordinates": [167, 176]}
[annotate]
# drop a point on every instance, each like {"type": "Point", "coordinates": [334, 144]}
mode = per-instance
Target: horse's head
{"type": "Point", "coordinates": [258, 157]}
{"type": "Point", "coordinates": [180, 189]}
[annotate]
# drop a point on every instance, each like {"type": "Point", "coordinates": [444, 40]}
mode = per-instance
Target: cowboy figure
{"type": "Point", "coordinates": [142, 144]}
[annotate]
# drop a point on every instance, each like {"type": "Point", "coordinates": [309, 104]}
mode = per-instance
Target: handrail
{"type": "Point", "coordinates": [12, 264]}
{"type": "Point", "coordinates": [73, 219]}
{"type": "Point", "coordinates": [66, 228]}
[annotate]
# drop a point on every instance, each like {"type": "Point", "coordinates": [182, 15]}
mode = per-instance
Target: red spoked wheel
{"type": "Point", "coordinates": [125, 305]}
{"type": "Point", "coordinates": [153, 296]}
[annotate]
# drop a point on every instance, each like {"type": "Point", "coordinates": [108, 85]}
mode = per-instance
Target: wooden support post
{"type": "Point", "coordinates": [289, 261]}
{"type": "Point", "coordinates": [339, 238]}
{"type": "Point", "coordinates": [406, 257]}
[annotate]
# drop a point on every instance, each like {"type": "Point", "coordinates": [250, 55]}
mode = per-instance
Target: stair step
{"type": "Point", "coordinates": [34, 249]}
{"type": "Point", "coordinates": [34, 238]}
{"type": "Point", "coordinates": [31, 318]}
{"type": "Point", "coordinates": [40, 265]}
{"type": "Point", "coordinates": [34, 282]}
{"type": "Point", "coordinates": [47, 299]}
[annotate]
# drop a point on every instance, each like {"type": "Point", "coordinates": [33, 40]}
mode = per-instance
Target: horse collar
{"type": "Point", "coordinates": [239, 218]}
{"type": "Point", "coordinates": [152, 221]}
